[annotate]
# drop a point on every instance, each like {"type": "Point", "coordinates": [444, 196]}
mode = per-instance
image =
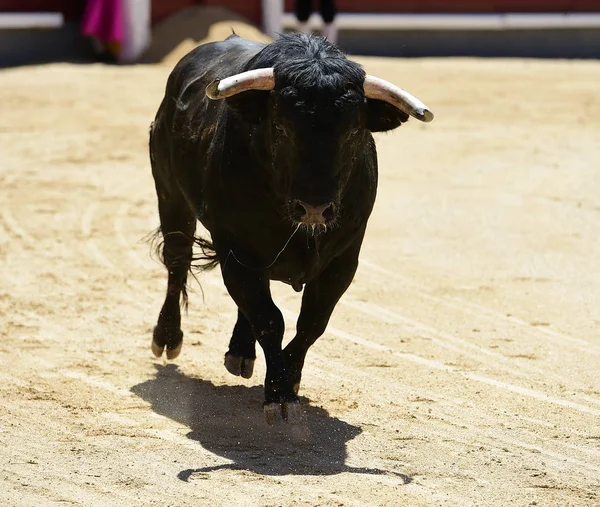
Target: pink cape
{"type": "Point", "coordinates": [103, 20]}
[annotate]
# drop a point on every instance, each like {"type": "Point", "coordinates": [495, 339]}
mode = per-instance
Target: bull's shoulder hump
{"type": "Point", "coordinates": [213, 60]}
{"type": "Point", "coordinates": [232, 50]}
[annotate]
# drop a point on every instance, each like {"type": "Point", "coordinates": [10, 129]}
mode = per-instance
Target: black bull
{"type": "Point", "coordinates": [283, 174]}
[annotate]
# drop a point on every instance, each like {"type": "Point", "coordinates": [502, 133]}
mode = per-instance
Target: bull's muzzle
{"type": "Point", "coordinates": [313, 215]}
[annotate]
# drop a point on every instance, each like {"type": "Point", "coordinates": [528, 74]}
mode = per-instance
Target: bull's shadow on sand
{"type": "Point", "coordinates": [227, 421]}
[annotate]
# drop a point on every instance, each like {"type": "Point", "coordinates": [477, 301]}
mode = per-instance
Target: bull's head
{"type": "Point", "coordinates": [317, 115]}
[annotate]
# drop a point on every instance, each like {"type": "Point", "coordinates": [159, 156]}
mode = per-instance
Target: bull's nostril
{"type": "Point", "coordinates": [298, 210]}
{"type": "Point", "coordinates": [329, 213]}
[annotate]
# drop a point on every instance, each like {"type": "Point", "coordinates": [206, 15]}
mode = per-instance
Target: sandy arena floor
{"type": "Point", "coordinates": [461, 368]}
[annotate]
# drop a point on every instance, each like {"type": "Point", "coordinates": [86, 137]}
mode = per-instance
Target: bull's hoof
{"type": "Point", "coordinates": [239, 366]}
{"type": "Point", "coordinates": [278, 413]}
{"type": "Point", "coordinates": [292, 412]}
{"type": "Point", "coordinates": [173, 353]}
{"type": "Point", "coordinates": [158, 349]}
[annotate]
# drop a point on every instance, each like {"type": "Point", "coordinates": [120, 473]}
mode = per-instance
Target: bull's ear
{"type": "Point", "coordinates": [251, 106]}
{"type": "Point", "coordinates": [382, 116]}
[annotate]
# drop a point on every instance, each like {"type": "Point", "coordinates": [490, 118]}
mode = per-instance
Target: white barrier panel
{"type": "Point", "coordinates": [272, 17]}
{"type": "Point", "coordinates": [508, 21]}
{"type": "Point", "coordinates": [20, 20]}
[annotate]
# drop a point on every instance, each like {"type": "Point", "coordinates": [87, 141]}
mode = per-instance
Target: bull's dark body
{"type": "Point", "coordinates": [222, 162]}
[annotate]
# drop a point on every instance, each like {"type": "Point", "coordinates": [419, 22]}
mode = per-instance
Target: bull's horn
{"type": "Point", "coordinates": [380, 89]}
{"type": "Point", "coordinates": [258, 79]}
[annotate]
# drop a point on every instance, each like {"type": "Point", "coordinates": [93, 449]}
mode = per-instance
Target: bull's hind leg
{"type": "Point", "coordinates": [177, 224]}
{"type": "Point", "coordinates": [239, 359]}
{"type": "Point", "coordinates": [318, 302]}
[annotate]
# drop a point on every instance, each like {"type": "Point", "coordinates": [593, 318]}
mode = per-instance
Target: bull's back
{"type": "Point", "coordinates": [184, 130]}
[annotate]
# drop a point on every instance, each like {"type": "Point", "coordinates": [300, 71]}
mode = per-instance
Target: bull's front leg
{"type": "Point", "coordinates": [239, 359]}
{"type": "Point", "coordinates": [251, 292]}
{"type": "Point", "coordinates": [318, 302]}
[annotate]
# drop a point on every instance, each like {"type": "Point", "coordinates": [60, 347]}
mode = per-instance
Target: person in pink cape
{"type": "Point", "coordinates": [119, 27]}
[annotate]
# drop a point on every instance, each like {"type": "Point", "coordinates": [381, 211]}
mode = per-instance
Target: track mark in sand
{"type": "Point", "coordinates": [4, 234]}
{"type": "Point", "coordinates": [22, 239]}
{"type": "Point", "coordinates": [97, 382]}
{"type": "Point", "coordinates": [81, 490]}
{"type": "Point", "coordinates": [107, 386]}
{"type": "Point", "coordinates": [120, 216]}
{"type": "Point", "coordinates": [386, 315]}
{"type": "Point", "coordinates": [589, 399]}
{"type": "Point", "coordinates": [559, 457]}
{"type": "Point", "coordinates": [482, 311]}
{"type": "Point", "coordinates": [533, 394]}
{"type": "Point", "coordinates": [11, 379]}
{"type": "Point", "coordinates": [502, 385]}
{"type": "Point", "coordinates": [443, 338]}
{"type": "Point", "coordinates": [13, 227]}
{"type": "Point", "coordinates": [86, 229]}
{"type": "Point", "coordinates": [436, 365]}
{"type": "Point", "coordinates": [456, 407]}
{"type": "Point", "coordinates": [458, 420]}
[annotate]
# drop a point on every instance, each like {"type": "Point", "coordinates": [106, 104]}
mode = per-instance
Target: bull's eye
{"type": "Point", "coordinates": [280, 129]}
{"type": "Point", "coordinates": [353, 132]}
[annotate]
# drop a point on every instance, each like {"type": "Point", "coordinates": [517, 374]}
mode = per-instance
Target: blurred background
{"type": "Point", "coordinates": [128, 31]}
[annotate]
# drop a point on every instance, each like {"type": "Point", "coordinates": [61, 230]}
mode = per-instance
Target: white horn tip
{"type": "Point", "coordinates": [425, 115]}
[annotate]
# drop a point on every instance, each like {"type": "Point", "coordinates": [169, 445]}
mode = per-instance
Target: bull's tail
{"type": "Point", "coordinates": [207, 257]}
{"type": "Point", "coordinates": [204, 257]}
